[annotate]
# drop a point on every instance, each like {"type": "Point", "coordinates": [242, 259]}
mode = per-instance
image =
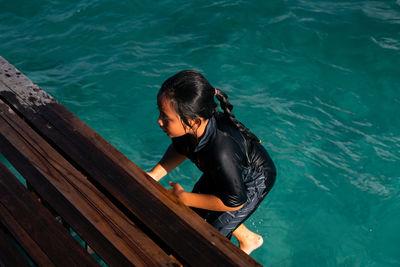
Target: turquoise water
{"type": "Point", "coordinates": [317, 81]}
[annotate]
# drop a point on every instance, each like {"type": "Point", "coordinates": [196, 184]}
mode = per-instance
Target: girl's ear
{"type": "Point", "coordinates": [197, 121]}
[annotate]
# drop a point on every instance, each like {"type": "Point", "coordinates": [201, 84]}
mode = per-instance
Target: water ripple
{"type": "Point", "coordinates": [387, 43]}
{"type": "Point", "coordinates": [382, 11]}
{"type": "Point", "coordinates": [316, 80]}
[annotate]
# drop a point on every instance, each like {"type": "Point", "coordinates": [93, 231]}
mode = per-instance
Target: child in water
{"type": "Point", "coordinates": [237, 170]}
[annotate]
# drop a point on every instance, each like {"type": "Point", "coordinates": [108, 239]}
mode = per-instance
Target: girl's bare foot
{"type": "Point", "coordinates": [250, 242]}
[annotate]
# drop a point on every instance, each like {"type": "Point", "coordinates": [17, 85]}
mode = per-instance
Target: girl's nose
{"type": "Point", "coordinates": [159, 120]}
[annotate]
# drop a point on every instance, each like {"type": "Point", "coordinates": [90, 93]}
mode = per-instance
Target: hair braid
{"type": "Point", "coordinates": [227, 108]}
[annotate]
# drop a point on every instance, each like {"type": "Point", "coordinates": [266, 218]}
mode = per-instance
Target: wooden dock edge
{"type": "Point", "coordinates": [194, 241]}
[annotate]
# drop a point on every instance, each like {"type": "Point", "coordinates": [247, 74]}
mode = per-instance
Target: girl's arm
{"type": "Point", "coordinates": [202, 201]}
{"type": "Point", "coordinates": [168, 162]}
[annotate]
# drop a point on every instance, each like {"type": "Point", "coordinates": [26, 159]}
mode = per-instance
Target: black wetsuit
{"type": "Point", "coordinates": [236, 169]}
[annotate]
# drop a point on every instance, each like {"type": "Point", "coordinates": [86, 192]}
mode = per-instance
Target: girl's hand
{"type": "Point", "coordinates": [177, 190]}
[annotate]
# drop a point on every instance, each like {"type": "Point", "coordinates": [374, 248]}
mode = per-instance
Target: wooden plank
{"type": "Point", "coordinates": [24, 238]}
{"type": "Point", "coordinates": [9, 254]}
{"type": "Point", "coordinates": [128, 240]}
{"type": "Point", "coordinates": [81, 224]}
{"type": "Point", "coordinates": [35, 229]}
{"type": "Point", "coordinates": [176, 225]}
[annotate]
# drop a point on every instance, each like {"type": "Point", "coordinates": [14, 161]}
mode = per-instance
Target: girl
{"type": "Point", "coordinates": [237, 170]}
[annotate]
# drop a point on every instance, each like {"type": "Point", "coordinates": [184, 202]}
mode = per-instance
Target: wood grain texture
{"type": "Point", "coordinates": [86, 199]}
{"type": "Point", "coordinates": [36, 230]}
{"type": "Point", "coordinates": [10, 255]}
{"type": "Point", "coordinates": [186, 234]}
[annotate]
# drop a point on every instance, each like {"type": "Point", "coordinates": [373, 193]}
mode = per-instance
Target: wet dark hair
{"type": "Point", "coordinates": [192, 96]}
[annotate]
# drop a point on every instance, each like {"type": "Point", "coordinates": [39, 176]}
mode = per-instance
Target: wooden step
{"type": "Point", "coordinates": [170, 224]}
{"type": "Point", "coordinates": [90, 213]}
{"type": "Point", "coordinates": [37, 232]}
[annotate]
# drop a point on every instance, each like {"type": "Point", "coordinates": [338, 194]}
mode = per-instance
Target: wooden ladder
{"type": "Point", "coordinates": [125, 216]}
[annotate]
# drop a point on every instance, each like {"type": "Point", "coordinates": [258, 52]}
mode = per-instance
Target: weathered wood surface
{"type": "Point", "coordinates": [9, 253]}
{"type": "Point", "coordinates": [147, 203]}
{"type": "Point", "coordinates": [35, 229]}
{"type": "Point", "coordinates": [57, 181]}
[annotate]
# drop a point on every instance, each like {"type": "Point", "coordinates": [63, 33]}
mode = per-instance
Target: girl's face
{"type": "Point", "coordinates": [170, 121]}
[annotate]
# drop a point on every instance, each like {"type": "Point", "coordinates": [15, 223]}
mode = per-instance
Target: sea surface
{"type": "Point", "coordinates": [317, 81]}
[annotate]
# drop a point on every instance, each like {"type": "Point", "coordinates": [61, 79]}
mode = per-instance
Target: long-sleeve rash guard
{"type": "Point", "coordinates": [222, 154]}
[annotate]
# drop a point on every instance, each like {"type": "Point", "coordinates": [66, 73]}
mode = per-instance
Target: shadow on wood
{"type": "Point", "coordinates": [123, 214]}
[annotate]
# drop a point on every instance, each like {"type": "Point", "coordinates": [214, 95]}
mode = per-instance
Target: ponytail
{"type": "Point", "coordinates": [227, 108]}
{"type": "Point", "coordinates": [193, 96]}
